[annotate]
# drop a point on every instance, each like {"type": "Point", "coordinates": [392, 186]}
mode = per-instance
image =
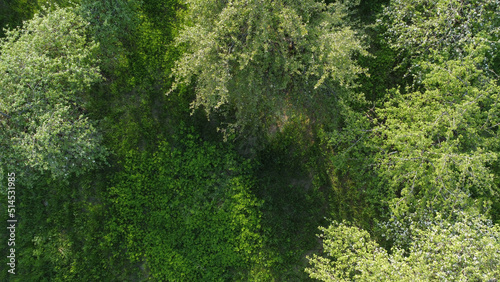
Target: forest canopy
{"type": "Point", "coordinates": [171, 140]}
{"type": "Point", "coordinates": [261, 60]}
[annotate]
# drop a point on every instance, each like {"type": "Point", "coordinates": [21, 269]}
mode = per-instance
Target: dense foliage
{"type": "Point", "coordinates": [438, 139]}
{"type": "Point", "coordinates": [46, 72]}
{"type": "Point", "coordinates": [466, 249]}
{"type": "Point", "coordinates": [261, 60]}
{"type": "Point", "coordinates": [188, 212]}
{"type": "Point", "coordinates": [169, 140]}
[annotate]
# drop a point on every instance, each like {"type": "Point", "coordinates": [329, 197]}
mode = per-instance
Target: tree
{"type": "Point", "coordinates": [437, 145]}
{"type": "Point", "coordinates": [437, 141]}
{"type": "Point", "coordinates": [421, 29]}
{"type": "Point", "coordinates": [466, 248]}
{"type": "Point", "coordinates": [47, 67]}
{"type": "Point", "coordinates": [433, 145]}
{"type": "Point", "coordinates": [256, 62]}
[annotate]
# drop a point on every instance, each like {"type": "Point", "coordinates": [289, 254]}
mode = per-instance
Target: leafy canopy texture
{"type": "Point", "coordinates": [422, 27]}
{"type": "Point", "coordinates": [188, 212]}
{"type": "Point", "coordinates": [436, 147]}
{"type": "Point", "coordinates": [255, 60]}
{"type": "Point", "coordinates": [438, 144]}
{"type": "Point", "coordinates": [46, 68]}
{"type": "Point", "coordinates": [439, 139]}
{"type": "Point", "coordinates": [467, 248]}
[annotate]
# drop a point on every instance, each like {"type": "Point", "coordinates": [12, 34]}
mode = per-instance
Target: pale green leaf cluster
{"type": "Point", "coordinates": [257, 60]}
{"type": "Point", "coordinates": [437, 141]}
{"type": "Point", "coordinates": [46, 69]}
{"type": "Point", "coordinates": [422, 27]}
{"type": "Point", "coordinates": [461, 250]}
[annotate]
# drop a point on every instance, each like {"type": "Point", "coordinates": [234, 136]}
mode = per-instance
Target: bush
{"type": "Point", "coordinates": [187, 212]}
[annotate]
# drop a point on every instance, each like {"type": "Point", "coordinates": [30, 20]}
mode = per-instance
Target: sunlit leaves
{"type": "Point", "coordinates": [438, 140]}
{"type": "Point", "coordinates": [423, 27]}
{"type": "Point", "coordinates": [259, 59]}
{"type": "Point", "coordinates": [189, 212]}
{"type": "Point", "coordinates": [465, 249]}
{"type": "Point", "coordinates": [47, 67]}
